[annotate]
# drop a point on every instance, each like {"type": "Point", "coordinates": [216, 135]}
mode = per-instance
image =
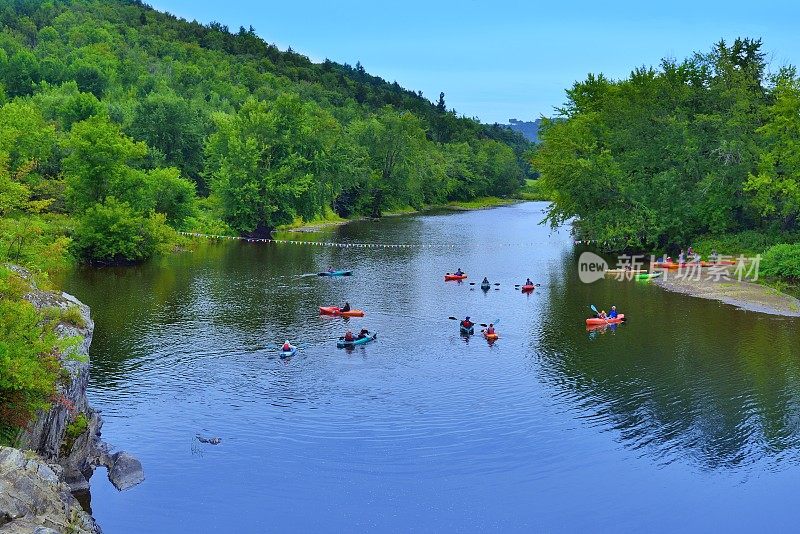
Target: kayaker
{"type": "Point", "coordinates": [459, 272]}
{"type": "Point", "coordinates": [490, 329]}
{"type": "Point", "coordinates": [364, 333]}
{"type": "Point", "coordinates": [345, 308]}
{"type": "Point", "coordinates": [603, 315]}
{"type": "Point", "coordinates": [330, 269]}
{"type": "Point", "coordinates": [528, 282]}
{"type": "Point", "coordinates": [690, 252]}
{"type": "Point", "coordinates": [613, 313]}
{"type": "Point", "coordinates": [349, 337]}
{"type": "Point", "coordinates": [287, 347]}
{"type": "Point", "coordinates": [466, 323]}
{"type": "Point", "coordinates": [681, 257]}
{"type": "Point", "coordinates": [485, 281]}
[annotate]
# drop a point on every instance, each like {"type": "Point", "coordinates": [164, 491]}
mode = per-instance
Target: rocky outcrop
{"type": "Point", "coordinates": [67, 436]}
{"type": "Point", "coordinates": [34, 500]}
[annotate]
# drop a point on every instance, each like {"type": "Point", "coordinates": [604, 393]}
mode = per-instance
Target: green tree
{"type": "Point", "coordinates": [176, 128]}
{"type": "Point", "coordinates": [274, 161]}
{"type": "Point", "coordinates": [99, 165]}
{"type": "Point", "coordinates": [776, 185]}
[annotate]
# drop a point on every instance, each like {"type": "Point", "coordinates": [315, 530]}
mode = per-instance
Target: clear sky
{"type": "Point", "coordinates": [505, 58]}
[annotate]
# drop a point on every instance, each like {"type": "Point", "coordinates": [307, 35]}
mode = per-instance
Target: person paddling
{"type": "Point", "coordinates": [364, 333]}
{"type": "Point", "coordinates": [349, 337]}
{"type": "Point", "coordinates": [466, 323]}
{"type": "Point", "coordinates": [613, 313]}
{"type": "Point", "coordinates": [459, 272]}
{"type": "Point", "coordinates": [345, 308]}
{"type": "Point", "coordinates": [528, 282]}
{"type": "Point", "coordinates": [485, 281]}
{"type": "Point", "coordinates": [287, 347]}
{"type": "Point", "coordinates": [490, 329]}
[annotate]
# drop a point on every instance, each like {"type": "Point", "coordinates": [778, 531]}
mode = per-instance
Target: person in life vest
{"type": "Point", "coordinates": [364, 333]}
{"type": "Point", "coordinates": [459, 272]}
{"type": "Point", "coordinates": [485, 281]}
{"type": "Point", "coordinates": [490, 329]}
{"type": "Point", "coordinates": [349, 337]}
{"type": "Point", "coordinates": [466, 323]}
{"type": "Point", "coordinates": [528, 282]}
{"type": "Point", "coordinates": [287, 347]}
{"type": "Point", "coordinates": [613, 313]}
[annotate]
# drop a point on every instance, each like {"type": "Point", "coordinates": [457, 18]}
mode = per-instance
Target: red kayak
{"type": "Point", "coordinates": [449, 276]}
{"type": "Point", "coordinates": [594, 321]}
{"type": "Point", "coordinates": [666, 265]}
{"type": "Point", "coordinates": [527, 288]}
{"type": "Point", "coordinates": [335, 310]}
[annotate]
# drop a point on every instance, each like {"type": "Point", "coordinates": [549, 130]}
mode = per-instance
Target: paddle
{"type": "Point", "coordinates": [520, 285]}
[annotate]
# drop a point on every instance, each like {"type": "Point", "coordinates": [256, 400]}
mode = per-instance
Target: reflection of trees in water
{"type": "Point", "coordinates": [244, 289]}
{"type": "Point", "coordinates": [690, 379]}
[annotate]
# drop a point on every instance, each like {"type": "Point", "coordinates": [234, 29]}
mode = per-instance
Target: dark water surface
{"type": "Point", "coordinates": [687, 417]}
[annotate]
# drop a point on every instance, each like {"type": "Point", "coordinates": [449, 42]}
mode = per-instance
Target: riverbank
{"type": "Point", "coordinates": [466, 205]}
{"type": "Point", "coordinates": [744, 295]}
{"type": "Point", "coordinates": [58, 447]}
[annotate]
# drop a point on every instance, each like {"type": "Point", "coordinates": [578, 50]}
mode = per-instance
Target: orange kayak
{"type": "Point", "coordinates": [449, 276]}
{"type": "Point", "coordinates": [335, 310]}
{"type": "Point", "coordinates": [490, 337]}
{"type": "Point", "coordinates": [526, 289]}
{"type": "Point", "coordinates": [594, 321]}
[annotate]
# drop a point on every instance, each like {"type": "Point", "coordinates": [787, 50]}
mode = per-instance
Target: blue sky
{"type": "Point", "coordinates": [503, 59]}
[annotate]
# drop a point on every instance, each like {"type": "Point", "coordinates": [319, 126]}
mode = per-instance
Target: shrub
{"type": "Point", "coordinates": [28, 359]}
{"type": "Point", "coordinates": [782, 261]}
{"type": "Point", "coordinates": [112, 232]}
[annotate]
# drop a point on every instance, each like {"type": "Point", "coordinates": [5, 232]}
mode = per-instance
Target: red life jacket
{"type": "Point", "coordinates": [348, 336]}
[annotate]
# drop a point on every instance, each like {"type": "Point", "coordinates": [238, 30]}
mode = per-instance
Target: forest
{"type": "Point", "coordinates": [121, 125]}
{"type": "Point", "coordinates": [704, 151]}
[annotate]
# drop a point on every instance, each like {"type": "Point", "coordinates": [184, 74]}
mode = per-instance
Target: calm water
{"type": "Point", "coordinates": [687, 417]}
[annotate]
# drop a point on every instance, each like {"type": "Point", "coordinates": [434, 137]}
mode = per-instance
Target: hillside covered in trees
{"type": "Point", "coordinates": [120, 124]}
{"type": "Point", "coordinates": [701, 150]}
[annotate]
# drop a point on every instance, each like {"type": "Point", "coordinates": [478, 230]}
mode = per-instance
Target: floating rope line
{"type": "Point", "coordinates": [343, 245]}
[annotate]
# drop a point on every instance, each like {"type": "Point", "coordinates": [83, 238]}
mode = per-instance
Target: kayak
{"type": "Point", "coordinates": [363, 341]}
{"type": "Point", "coordinates": [335, 310]}
{"type": "Point", "coordinates": [490, 337]}
{"type": "Point", "coordinates": [647, 276]}
{"type": "Point", "coordinates": [666, 265]}
{"type": "Point", "coordinates": [467, 331]}
{"type": "Point", "coordinates": [449, 276]}
{"type": "Point", "coordinates": [288, 353]}
{"type": "Point", "coordinates": [527, 288]}
{"type": "Point", "coordinates": [486, 287]}
{"type": "Point", "coordinates": [335, 273]}
{"type": "Point", "coordinates": [592, 321]}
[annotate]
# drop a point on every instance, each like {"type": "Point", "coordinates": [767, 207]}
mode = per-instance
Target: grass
{"type": "Point", "coordinates": [480, 203]}
{"type": "Point", "coordinates": [533, 190]}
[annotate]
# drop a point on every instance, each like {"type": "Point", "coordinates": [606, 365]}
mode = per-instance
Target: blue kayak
{"type": "Point", "coordinates": [335, 273]}
{"type": "Point", "coordinates": [467, 331]}
{"type": "Point", "coordinates": [363, 341]}
{"type": "Point", "coordinates": [288, 353]}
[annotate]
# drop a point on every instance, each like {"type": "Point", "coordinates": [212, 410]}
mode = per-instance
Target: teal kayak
{"type": "Point", "coordinates": [485, 287]}
{"type": "Point", "coordinates": [335, 273]}
{"type": "Point", "coordinates": [363, 341]}
{"type": "Point", "coordinates": [467, 331]}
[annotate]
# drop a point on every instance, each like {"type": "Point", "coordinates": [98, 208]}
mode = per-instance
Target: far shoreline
{"type": "Point", "coordinates": [483, 203]}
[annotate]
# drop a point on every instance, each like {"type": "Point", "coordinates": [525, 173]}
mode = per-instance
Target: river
{"type": "Point", "coordinates": [685, 418]}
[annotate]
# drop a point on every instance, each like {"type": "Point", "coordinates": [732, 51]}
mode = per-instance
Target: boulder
{"type": "Point", "coordinates": [126, 471]}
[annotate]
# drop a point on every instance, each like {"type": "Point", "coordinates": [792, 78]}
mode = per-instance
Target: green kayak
{"type": "Point", "coordinates": [647, 276]}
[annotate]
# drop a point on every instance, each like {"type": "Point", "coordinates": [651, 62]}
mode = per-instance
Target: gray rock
{"type": "Point", "coordinates": [33, 500]}
{"type": "Point", "coordinates": [126, 472]}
